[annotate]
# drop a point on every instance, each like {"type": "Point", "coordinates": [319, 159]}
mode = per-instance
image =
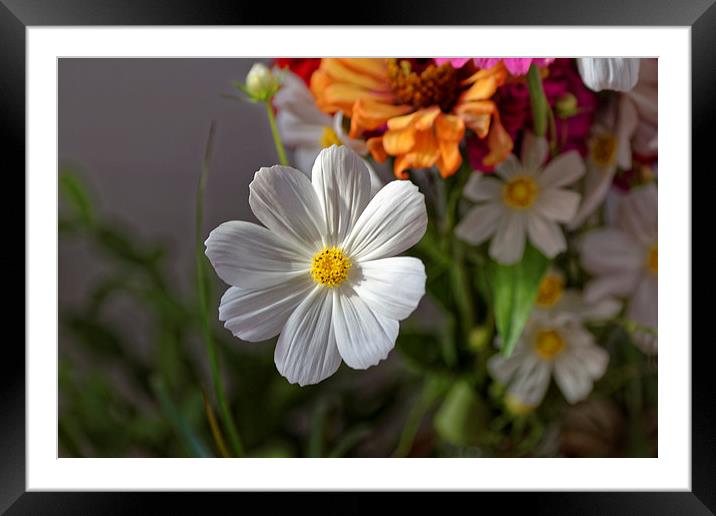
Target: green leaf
{"type": "Point", "coordinates": [75, 193]}
{"type": "Point", "coordinates": [514, 289]}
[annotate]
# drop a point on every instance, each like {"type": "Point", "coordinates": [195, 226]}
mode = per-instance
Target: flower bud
{"type": "Point", "coordinates": [261, 82]}
{"type": "Point", "coordinates": [566, 106]}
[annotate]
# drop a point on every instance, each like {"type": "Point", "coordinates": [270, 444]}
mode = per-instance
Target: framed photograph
{"type": "Point", "coordinates": [358, 258]}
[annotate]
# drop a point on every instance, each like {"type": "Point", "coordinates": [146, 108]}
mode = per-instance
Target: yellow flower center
{"type": "Point", "coordinates": [550, 290]}
{"type": "Point", "coordinates": [652, 259]}
{"type": "Point", "coordinates": [434, 85]}
{"type": "Point", "coordinates": [515, 406]}
{"type": "Point", "coordinates": [520, 192]}
{"type": "Point", "coordinates": [603, 149]}
{"type": "Point", "coordinates": [548, 344]}
{"type": "Point", "coordinates": [329, 137]}
{"type": "Point", "coordinates": [330, 266]}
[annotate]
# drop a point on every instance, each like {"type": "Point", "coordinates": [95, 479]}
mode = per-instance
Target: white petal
{"type": "Point", "coordinates": [283, 199]}
{"type": "Point", "coordinates": [609, 250]}
{"type": "Point", "coordinates": [546, 236]}
{"type": "Point", "coordinates": [480, 223]}
{"type": "Point", "coordinates": [296, 132]}
{"type": "Point", "coordinates": [481, 187]}
{"type": "Point", "coordinates": [508, 244]}
{"type": "Point", "coordinates": [644, 306]}
{"type": "Point", "coordinates": [598, 73]}
{"type": "Point", "coordinates": [306, 351]}
{"type": "Point", "coordinates": [563, 170]}
{"type": "Point", "coordinates": [596, 186]}
{"type": "Point", "coordinates": [391, 287]}
{"type": "Point", "coordinates": [526, 375]}
{"type": "Point", "coordinates": [250, 256]}
{"type": "Point", "coordinates": [557, 204]}
{"type": "Point", "coordinates": [574, 305]}
{"type": "Point", "coordinates": [256, 315]}
{"type": "Point", "coordinates": [364, 337]}
{"type": "Point", "coordinates": [509, 168]}
{"type": "Point", "coordinates": [575, 371]}
{"type": "Point", "coordinates": [342, 183]}
{"type": "Point", "coordinates": [305, 157]}
{"type": "Point", "coordinates": [534, 151]}
{"type": "Point", "coordinates": [394, 220]}
{"type": "Point", "coordinates": [638, 214]}
{"type": "Point", "coordinates": [618, 284]}
{"type": "Point", "coordinates": [357, 145]}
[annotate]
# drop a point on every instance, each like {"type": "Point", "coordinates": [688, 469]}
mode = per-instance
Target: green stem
{"type": "Point", "coordinates": [274, 132]}
{"type": "Point", "coordinates": [537, 100]}
{"type": "Point", "coordinates": [431, 391]}
{"type": "Point", "coordinates": [201, 278]}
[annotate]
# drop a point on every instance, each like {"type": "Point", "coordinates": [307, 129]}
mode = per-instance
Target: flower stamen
{"type": "Point", "coordinates": [548, 344]}
{"type": "Point", "coordinates": [550, 290]}
{"type": "Point", "coordinates": [520, 192]}
{"type": "Point", "coordinates": [330, 266]}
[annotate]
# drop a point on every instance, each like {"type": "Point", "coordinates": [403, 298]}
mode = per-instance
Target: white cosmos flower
{"type": "Point", "coordinates": [307, 130]}
{"type": "Point", "coordinates": [627, 124]}
{"type": "Point", "coordinates": [528, 201]}
{"type": "Point", "coordinates": [322, 271]}
{"type": "Point", "coordinates": [623, 260]}
{"type": "Point", "coordinates": [549, 345]}
{"type": "Point", "coordinates": [609, 73]}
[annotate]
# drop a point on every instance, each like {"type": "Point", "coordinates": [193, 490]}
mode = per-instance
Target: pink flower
{"type": "Point", "coordinates": [514, 65]}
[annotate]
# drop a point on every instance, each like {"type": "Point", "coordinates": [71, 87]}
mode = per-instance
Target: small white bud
{"type": "Point", "coordinates": [261, 82]}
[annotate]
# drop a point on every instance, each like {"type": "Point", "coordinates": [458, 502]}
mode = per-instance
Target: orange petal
{"type": "Point", "coordinates": [354, 75]}
{"type": "Point", "coordinates": [376, 68]}
{"type": "Point", "coordinates": [424, 154]}
{"type": "Point", "coordinates": [449, 128]}
{"type": "Point", "coordinates": [499, 143]}
{"type": "Point", "coordinates": [476, 115]}
{"type": "Point", "coordinates": [498, 72]}
{"type": "Point", "coordinates": [480, 90]}
{"type": "Point", "coordinates": [400, 141]}
{"type": "Point", "coordinates": [450, 158]}
{"type": "Point", "coordinates": [375, 146]}
{"type": "Point", "coordinates": [426, 117]}
{"type": "Point", "coordinates": [369, 115]}
{"type": "Point", "coordinates": [341, 97]}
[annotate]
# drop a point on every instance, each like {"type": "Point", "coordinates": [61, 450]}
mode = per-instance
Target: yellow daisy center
{"type": "Point", "coordinates": [548, 344]}
{"type": "Point", "coordinates": [550, 290]}
{"type": "Point", "coordinates": [330, 266]}
{"type": "Point", "coordinates": [329, 137]}
{"type": "Point", "coordinates": [520, 192]}
{"type": "Point", "coordinates": [603, 149]}
{"type": "Point", "coordinates": [652, 259]}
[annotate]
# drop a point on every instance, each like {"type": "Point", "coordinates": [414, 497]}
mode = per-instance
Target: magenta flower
{"type": "Point", "coordinates": [514, 65]}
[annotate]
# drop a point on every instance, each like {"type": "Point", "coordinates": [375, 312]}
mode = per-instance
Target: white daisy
{"type": "Point", "coordinates": [550, 345]}
{"type": "Point", "coordinates": [613, 73]}
{"type": "Point", "coordinates": [307, 130]}
{"type": "Point", "coordinates": [528, 201]}
{"type": "Point", "coordinates": [323, 272]}
{"type": "Point", "coordinates": [627, 124]}
{"type": "Point", "coordinates": [623, 260]}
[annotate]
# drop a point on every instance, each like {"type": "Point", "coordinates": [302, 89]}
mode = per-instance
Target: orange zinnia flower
{"type": "Point", "coordinates": [424, 115]}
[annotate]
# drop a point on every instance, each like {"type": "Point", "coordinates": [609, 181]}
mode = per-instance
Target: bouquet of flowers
{"type": "Point", "coordinates": [496, 218]}
{"type": "Point", "coordinates": [449, 257]}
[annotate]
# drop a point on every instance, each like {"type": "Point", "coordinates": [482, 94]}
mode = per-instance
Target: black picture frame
{"type": "Point", "coordinates": [17, 15]}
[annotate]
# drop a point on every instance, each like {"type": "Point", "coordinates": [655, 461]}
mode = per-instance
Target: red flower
{"type": "Point", "coordinates": [303, 67]}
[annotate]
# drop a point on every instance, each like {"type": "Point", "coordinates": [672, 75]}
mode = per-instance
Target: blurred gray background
{"type": "Point", "coordinates": [136, 130]}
